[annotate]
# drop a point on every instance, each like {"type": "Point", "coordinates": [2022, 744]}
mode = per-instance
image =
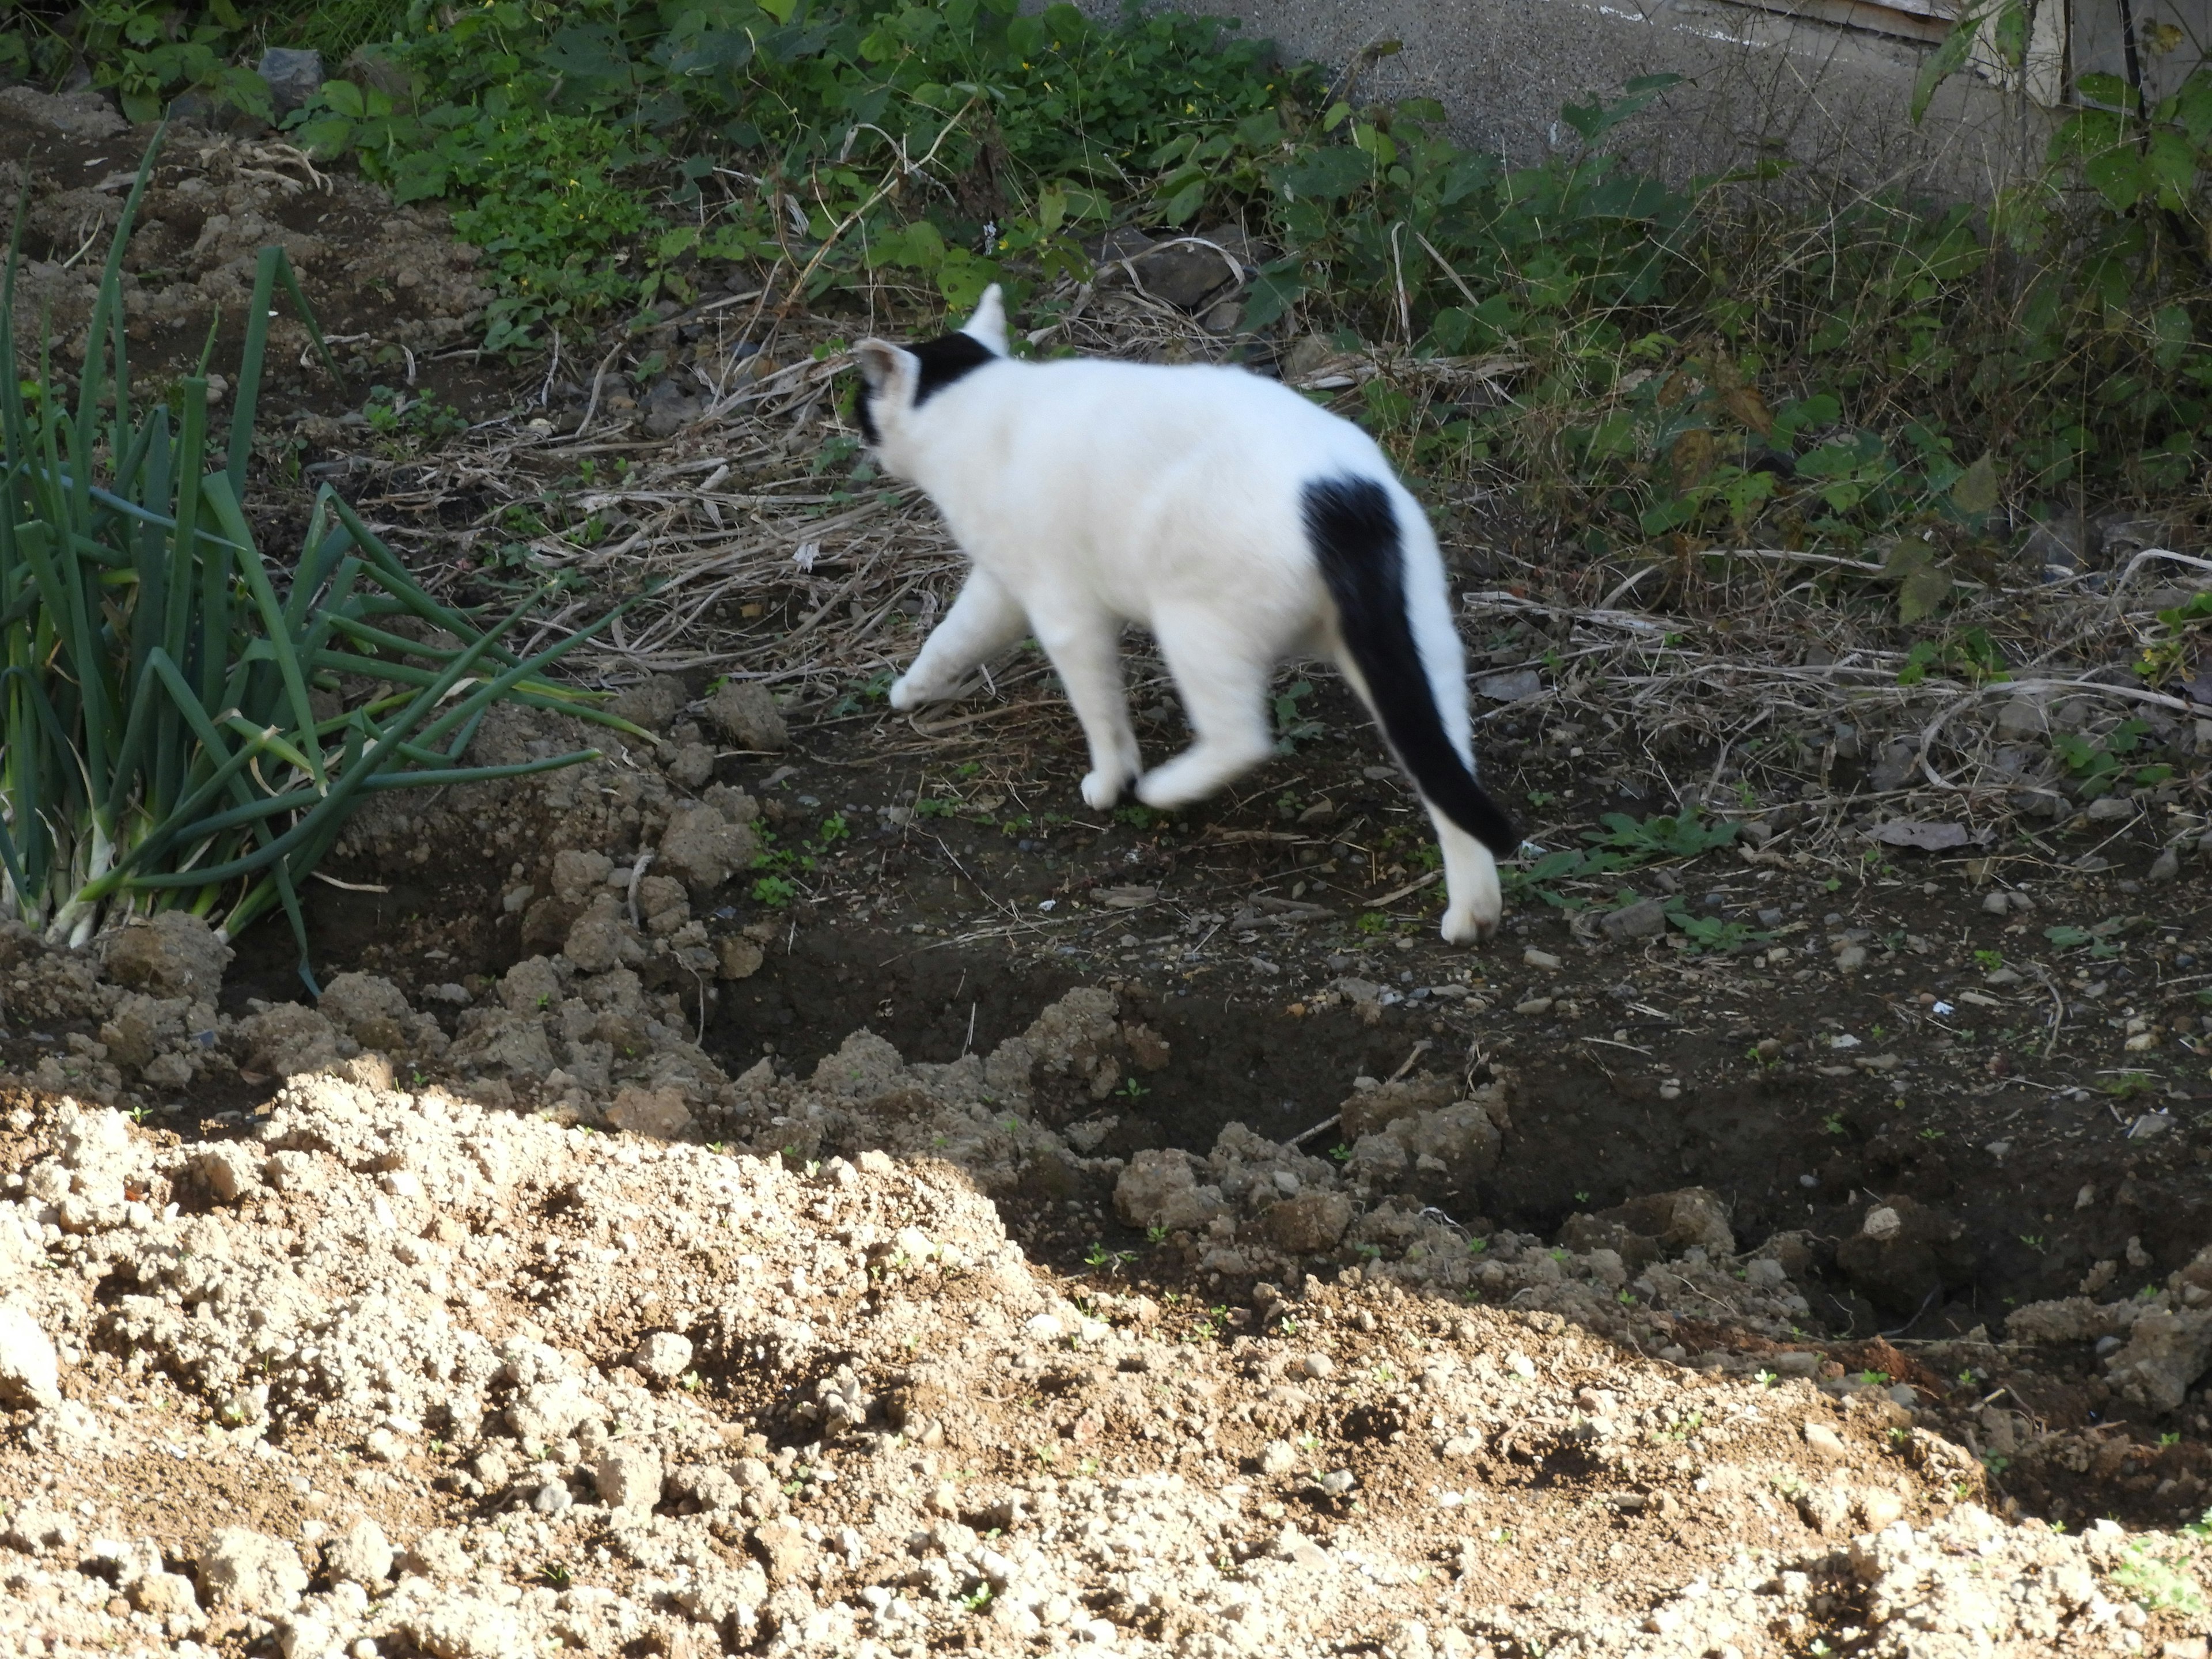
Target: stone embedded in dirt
{"type": "Point", "coordinates": [1308, 1224]}
{"type": "Point", "coordinates": [287, 1039]}
{"type": "Point", "coordinates": [251, 1572]}
{"type": "Point", "coordinates": [2070, 1319]}
{"type": "Point", "coordinates": [659, 1112]}
{"type": "Point", "coordinates": [166, 1596]}
{"type": "Point", "coordinates": [83, 114]}
{"type": "Point", "coordinates": [1369, 1110]}
{"type": "Point", "coordinates": [603, 939]}
{"type": "Point", "coordinates": [1904, 1253]}
{"type": "Point", "coordinates": [30, 1371]}
{"type": "Point", "coordinates": [1160, 1188]}
{"type": "Point", "coordinates": [578, 876]}
{"type": "Point", "coordinates": [360, 1553]}
{"type": "Point", "coordinates": [1650, 1229]}
{"type": "Point", "coordinates": [1823, 1440]}
{"type": "Point", "coordinates": [142, 1030]}
{"type": "Point", "coordinates": [1510, 686]}
{"type": "Point", "coordinates": [1186, 273]}
{"type": "Point", "coordinates": [652, 703]}
{"type": "Point", "coordinates": [460, 1625]}
{"type": "Point", "coordinates": [669, 407]}
{"type": "Point", "coordinates": [783, 1550]}
{"type": "Point", "coordinates": [2166, 1351]}
{"type": "Point", "coordinates": [665, 1356]}
{"type": "Point", "coordinates": [295, 75]}
{"type": "Point", "coordinates": [437, 1555]}
{"type": "Point", "coordinates": [1645, 918]}
{"type": "Point", "coordinates": [744, 712]}
{"type": "Point", "coordinates": [372, 1010]}
{"type": "Point", "coordinates": [703, 849]}
{"type": "Point", "coordinates": [691, 766]}
{"type": "Point", "coordinates": [231, 1170]}
{"type": "Point", "coordinates": [174, 954]}
{"type": "Point", "coordinates": [502, 1039]}
{"type": "Point", "coordinates": [629, 1478]}
{"type": "Point", "coordinates": [737, 957]}
{"type": "Point", "coordinates": [1459, 1143]}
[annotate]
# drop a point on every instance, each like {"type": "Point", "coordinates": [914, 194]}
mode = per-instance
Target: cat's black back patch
{"type": "Point", "coordinates": [1354, 532]}
{"type": "Point", "coordinates": [946, 359]}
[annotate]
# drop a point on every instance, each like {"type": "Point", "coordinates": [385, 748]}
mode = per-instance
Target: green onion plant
{"type": "Point", "coordinates": [162, 738]}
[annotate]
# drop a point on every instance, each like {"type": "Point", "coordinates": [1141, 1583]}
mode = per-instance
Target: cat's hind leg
{"type": "Point", "coordinates": [983, 621]}
{"type": "Point", "coordinates": [1086, 649]}
{"type": "Point", "coordinates": [1222, 679]}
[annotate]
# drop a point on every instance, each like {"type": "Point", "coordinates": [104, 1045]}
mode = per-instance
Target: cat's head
{"type": "Point", "coordinates": [898, 381]}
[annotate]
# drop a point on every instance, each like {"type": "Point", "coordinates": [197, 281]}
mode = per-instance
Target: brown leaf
{"type": "Point", "coordinates": [1692, 457]}
{"type": "Point", "coordinates": [1744, 402]}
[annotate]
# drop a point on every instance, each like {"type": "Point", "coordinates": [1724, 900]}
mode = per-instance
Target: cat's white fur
{"type": "Point", "coordinates": [1089, 494]}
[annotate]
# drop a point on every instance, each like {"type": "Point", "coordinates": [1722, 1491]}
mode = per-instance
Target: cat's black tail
{"type": "Point", "coordinates": [1354, 531]}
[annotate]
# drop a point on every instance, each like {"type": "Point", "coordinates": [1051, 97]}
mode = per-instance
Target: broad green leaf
{"type": "Point", "coordinates": [1375, 141]}
{"type": "Point", "coordinates": [1920, 594]}
{"type": "Point", "coordinates": [2174, 166]}
{"type": "Point", "coordinates": [2107, 89]}
{"type": "Point", "coordinates": [2192, 107]}
{"type": "Point", "coordinates": [1276, 290]}
{"type": "Point", "coordinates": [2121, 176]}
{"type": "Point", "coordinates": [1328, 173]}
{"type": "Point", "coordinates": [1946, 61]}
{"type": "Point", "coordinates": [1976, 492]}
{"type": "Point", "coordinates": [1909, 557]}
{"type": "Point", "coordinates": [1178, 208]}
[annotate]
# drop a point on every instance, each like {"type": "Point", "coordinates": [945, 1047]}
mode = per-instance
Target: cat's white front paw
{"type": "Point", "coordinates": [1463, 926]}
{"type": "Point", "coordinates": [1102, 789]}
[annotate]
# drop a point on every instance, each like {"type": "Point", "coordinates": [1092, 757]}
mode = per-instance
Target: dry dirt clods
{"type": "Point", "coordinates": [408, 1368]}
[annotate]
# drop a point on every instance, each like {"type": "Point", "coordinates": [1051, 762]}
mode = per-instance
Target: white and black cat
{"type": "Point", "coordinates": [1238, 522]}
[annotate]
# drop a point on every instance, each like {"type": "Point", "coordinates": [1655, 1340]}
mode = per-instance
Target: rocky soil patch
{"type": "Point", "coordinates": [638, 1357]}
{"type": "Point", "coordinates": [389, 286]}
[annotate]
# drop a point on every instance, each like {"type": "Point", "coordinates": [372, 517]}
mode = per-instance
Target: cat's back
{"type": "Point", "coordinates": [1158, 414]}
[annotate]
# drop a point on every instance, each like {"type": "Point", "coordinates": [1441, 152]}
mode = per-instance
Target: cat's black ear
{"type": "Point", "coordinates": [882, 365]}
{"type": "Point", "coordinates": [988, 324]}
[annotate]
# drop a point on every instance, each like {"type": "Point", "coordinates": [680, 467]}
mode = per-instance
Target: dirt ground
{"type": "Point", "coordinates": [806, 1185]}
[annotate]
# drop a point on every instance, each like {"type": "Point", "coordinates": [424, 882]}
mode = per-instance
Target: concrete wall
{"type": "Point", "coordinates": [1758, 83]}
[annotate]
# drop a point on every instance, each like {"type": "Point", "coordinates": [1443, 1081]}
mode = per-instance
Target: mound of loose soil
{"type": "Point", "coordinates": [399, 1366]}
{"type": "Point", "coordinates": [684, 1362]}
{"type": "Point", "coordinates": [389, 287]}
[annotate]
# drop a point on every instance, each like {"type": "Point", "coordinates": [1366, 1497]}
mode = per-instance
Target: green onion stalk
{"type": "Point", "coordinates": [165, 742]}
